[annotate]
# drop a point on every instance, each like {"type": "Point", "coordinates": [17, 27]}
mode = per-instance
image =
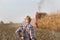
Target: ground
{"type": "Point", "coordinates": [7, 32]}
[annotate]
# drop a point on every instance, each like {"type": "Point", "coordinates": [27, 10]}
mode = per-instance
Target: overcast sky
{"type": "Point", "coordinates": [17, 10]}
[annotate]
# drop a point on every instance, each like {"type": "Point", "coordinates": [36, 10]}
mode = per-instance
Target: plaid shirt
{"type": "Point", "coordinates": [29, 30]}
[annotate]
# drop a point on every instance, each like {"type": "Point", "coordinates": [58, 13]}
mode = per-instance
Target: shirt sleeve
{"type": "Point", "coordinates": [32, 33]}
{"type": "Point", "coordinates": [18, 31]}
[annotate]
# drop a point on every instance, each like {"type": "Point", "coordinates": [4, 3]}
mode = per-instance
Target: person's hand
{"type": "Point", "coordinates": [22, 37]}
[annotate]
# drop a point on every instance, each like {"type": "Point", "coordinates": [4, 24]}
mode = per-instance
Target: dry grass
{"type": "Point", "coordinates": [7, 32]}
{"type": "Point", "coordinates": [50, 22]}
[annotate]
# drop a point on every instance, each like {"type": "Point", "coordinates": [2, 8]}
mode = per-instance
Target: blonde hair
{"type": "Point", "coordinates": [28, 18]}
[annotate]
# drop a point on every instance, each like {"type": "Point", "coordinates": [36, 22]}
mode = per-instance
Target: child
{"type": "Point", "coordinates": [26, 31]}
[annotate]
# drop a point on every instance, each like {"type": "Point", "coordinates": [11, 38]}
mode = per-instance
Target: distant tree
{"type": "Point", "coordinates": [1, 22]}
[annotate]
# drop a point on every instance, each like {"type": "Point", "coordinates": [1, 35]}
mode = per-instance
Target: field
{"type": "Point", "coordinates": [50, 22]}
{"type": "Point", "coordinates": [49, 29]}
{"type": "Point", "coordinates": [7, 32]}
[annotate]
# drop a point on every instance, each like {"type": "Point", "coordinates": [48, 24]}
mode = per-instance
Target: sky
{"type": "Point", "coordinates": [17, 10]}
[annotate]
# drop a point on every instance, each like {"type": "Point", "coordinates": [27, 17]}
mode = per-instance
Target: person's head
{"type": "Point", "coordinates": [28, 19]}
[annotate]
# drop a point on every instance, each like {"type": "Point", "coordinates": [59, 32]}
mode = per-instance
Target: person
{"type": "Point", "coordinates": [26, 30]}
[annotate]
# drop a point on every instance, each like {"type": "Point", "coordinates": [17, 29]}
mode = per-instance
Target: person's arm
{"type": "Point", "coordinates": [32, 33]}
{"type": "Point", "coordinates": [18, 31]}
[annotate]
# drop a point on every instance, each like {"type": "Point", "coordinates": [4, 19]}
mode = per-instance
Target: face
{"type": "Point", "coordinates": [26, 21]}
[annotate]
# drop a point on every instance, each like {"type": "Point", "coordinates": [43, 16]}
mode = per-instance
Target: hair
{"type": "Point", "coordinates": [28, 18]}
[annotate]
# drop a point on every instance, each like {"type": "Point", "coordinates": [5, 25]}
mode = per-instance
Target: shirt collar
{"type": "Point", "coordinates": [27, 23]}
